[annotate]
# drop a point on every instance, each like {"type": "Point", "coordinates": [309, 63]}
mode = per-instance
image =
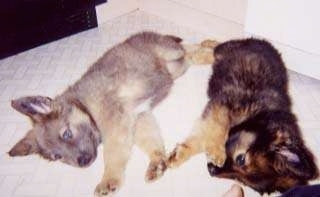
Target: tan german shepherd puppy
{"type": "Point", "coordinates": [112, 104]}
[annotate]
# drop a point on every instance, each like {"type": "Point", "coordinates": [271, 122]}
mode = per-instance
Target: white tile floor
{"type": "Point", "coordinates": [48, 69]}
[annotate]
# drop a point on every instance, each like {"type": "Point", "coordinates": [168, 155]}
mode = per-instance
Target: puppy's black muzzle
{"type": "Point", "coordinates": [84, 159]}
{"type": "Point", "coordinates": [213, 169]}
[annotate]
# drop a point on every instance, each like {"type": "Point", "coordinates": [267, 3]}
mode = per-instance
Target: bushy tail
{"type": "Point", "coordinates": [200, 53]}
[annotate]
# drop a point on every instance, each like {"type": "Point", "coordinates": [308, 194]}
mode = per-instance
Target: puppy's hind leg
{"type": "Point", "coordinates": [149, 140]}
{"type": "Point", "coordinates": [177, 67]}
{"type": "Point", "coordinates": [169, 49]}
{"type": "Point", "coordinates": [174, 59]}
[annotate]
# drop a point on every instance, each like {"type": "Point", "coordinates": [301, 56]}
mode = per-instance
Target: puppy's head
{"type": "Point", "coordinates": [62, 130]}
{"type": "Point", "coordinates": [267, 153]}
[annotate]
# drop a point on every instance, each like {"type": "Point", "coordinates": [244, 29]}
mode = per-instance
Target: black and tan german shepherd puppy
{"type": "Point", "coordinates": [247, 129]}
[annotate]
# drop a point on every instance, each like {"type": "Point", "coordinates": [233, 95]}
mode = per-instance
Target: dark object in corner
{"type": "Point", "coordinates": [29, 23]}
{"type": "Point", "coordinates": [302, 191]}
{"type": "Point", "coordinates": [100, 1]}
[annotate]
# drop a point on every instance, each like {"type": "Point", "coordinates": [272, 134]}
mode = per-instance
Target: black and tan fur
{"type": "Point", "coordinates": [247, 129]}
{"type": "Point", "coordinates": [112, 104]}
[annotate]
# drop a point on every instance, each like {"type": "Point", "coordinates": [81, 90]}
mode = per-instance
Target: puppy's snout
{"type": "Point", "coordinates": [84, 159]}
{"type": "Point", "coordinates": [213, 169]}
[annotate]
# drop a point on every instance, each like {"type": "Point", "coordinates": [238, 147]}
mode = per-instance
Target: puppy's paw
{"type": "Point", "coordinates": [177, 156]}
{"type": "Point", "coordinates": [209, 43]}
{"type": "Point", "coordinates": [219, 160]}
{"type": "Point", "coordinates": [155, 170]}
{"type": "Point", "coordinates": [217, 156]}
{"type": "Point", "coordinates": [107, 188]}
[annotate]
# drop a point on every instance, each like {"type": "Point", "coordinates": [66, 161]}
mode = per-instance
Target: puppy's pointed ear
{"type": "Point", "coordinates": [33, 106]}
{"type": "Point", "coordinates": [297, 161]}
{"type": "Point", "coordinates": [290, 156]}
{"type": "Point", "coordinates": [26, 146]}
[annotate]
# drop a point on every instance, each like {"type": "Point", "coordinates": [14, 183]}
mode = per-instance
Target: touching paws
{"type": "Point", "coordinates": [217, 155]}
{"type": "Point", "coordinates": [107, 188]}
{"type": "Point", "coordinates": [155, 170]}
{"type": "Point", "coordinates": [178, 156]}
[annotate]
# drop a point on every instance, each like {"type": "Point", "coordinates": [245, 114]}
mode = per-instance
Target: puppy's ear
{"type": "Point", "coordinates": [35, 107]}
{"type": "Point", "coordinates": [26, 146]}
{"type": "Point", "coordinates": [297, 161]}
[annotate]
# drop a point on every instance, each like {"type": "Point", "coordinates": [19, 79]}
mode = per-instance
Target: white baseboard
{"type": "Point", "coordinates": [300, 61]}
{"type": "Point", "coordinates": [214, 26]}
{"type": "Point", "coordinates": [209, 24]}
{"type": "Point", "coordinates": [297, 60]}
{"type": "Point", "coordinates": [115, 8]}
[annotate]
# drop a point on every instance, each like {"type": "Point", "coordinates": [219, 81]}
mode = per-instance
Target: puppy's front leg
{"type": "Point", "coordinates": [209, 134]}
{"type": "Point", "coordinates": [216, 132]}
{"type": "Point", "coordinates": [194, 144]}
{"type": "Point", "coordinates": [117, 144]}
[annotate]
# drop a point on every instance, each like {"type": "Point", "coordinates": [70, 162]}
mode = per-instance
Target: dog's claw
{"type": "Point", "coordinates": [106, 188]}
{"type": "Point", "coordinates": [155, 170]}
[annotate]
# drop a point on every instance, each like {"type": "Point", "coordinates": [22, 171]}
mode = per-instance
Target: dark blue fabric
{"type": "Point", "coordinates": [303, 191]}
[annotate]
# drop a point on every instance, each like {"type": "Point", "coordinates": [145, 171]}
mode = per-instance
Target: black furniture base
{"type": "Point", "coordinates": [29, 23]}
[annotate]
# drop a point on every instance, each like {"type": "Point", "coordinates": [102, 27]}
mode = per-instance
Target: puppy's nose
{"type": "Point", "coordinates": [213, 169]}
{"type": "Point", "coordinates": [84, 159]}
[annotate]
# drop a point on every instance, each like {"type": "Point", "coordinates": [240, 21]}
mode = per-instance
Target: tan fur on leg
{"type": "Point", "coordinates": [209, 134]}
{"type": "Point", "coordinates": [117, 145]}
{"type": "Point", "coordinates": [191, 146]}
{"type": "Point", "coordinates": [216, 133]}
{"type": "Point", "coordinates": [200, 53]}
{"type": "Point", "coordinates": [148, 138]}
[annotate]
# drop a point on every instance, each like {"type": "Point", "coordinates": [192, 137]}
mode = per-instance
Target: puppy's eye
{"type": "Point", "coordinates": [241, 159]}
{"type": "Point", "coordinates": [67, 134]}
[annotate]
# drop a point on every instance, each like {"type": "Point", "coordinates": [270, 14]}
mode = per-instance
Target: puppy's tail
{"type": "Point", "coordinates": [200, 54]}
